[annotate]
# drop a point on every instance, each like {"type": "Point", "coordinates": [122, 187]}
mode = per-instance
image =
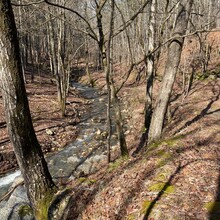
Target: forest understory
{"type": "Point", "coordinates": [175, 178]}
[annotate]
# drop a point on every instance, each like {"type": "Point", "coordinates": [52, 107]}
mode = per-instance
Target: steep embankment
{"type": "Point", "coordinates": [176, 178]}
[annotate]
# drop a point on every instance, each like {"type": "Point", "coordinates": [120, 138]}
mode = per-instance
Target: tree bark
{"type": "Point", "coordinates": [37, 178]}
{"type": "Point", "coordinates": [150, 64]}
{"type": "Point", "coordinates": [149, 75]}
{"type": "Point", "coordinates": [173, 60]}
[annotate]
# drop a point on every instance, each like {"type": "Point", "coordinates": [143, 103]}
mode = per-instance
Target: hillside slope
{"type": "Point", "coordinates": [176, 178]}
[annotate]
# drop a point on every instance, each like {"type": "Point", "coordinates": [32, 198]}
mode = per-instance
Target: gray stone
{"type": "Point", "coordinates": [73, 159]}
{"type": "Point", "coordinates": [11, 208]}
{"type": "Point", "coordinates": [98, 158]}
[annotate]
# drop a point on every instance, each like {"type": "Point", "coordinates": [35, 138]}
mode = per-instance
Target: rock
{"type": "Point", "coordinates": [98, 158]}
{"type": "Point", "coordinates": [49, 132]}
{"type": "Point", "coordinates": [18, 206]}
{"type": "Point", "coordinates": [18, 180]}
{"type": "Point", "coordinates": [85, 167]}
{"type": "Point", "coordinates": [127, 132]}
{"type": "Point", "coordinates": [98, 132]}
{"type": "Point", "coordinates": [73, 159]}
{"type": "Point", "coordinates": [101, 100]}
{"type": "Point", "coordinates": [79, 174]}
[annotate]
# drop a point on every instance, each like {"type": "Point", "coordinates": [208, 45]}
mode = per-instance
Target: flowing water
{"type": "Point", "coordinates": [86, 151]}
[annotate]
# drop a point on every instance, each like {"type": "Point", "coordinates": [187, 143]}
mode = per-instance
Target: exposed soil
{"type": "Point", "coordinates": [53, 131]}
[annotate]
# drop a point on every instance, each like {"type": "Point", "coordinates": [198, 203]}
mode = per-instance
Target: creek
{"type": "Point", "coordinates": [86, 152]}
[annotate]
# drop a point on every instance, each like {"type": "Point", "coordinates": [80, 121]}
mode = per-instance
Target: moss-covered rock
{"type": "Point", "coordinates": [213, 207]}
{"type": "Point", "coordinates": [86, 180]}
{"type": "Point", "coordinates": [25, 210]}
{"type": "Point", "coordinates": [166, 188]}
{"type": "Point", "coordinates": [146, 205]}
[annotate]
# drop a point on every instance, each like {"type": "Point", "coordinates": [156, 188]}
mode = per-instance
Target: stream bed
{"type": "Point", "coordinates": [85, 153]}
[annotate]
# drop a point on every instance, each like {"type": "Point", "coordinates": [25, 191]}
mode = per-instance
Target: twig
{"type": "Point", "coordinates": [11, 191]}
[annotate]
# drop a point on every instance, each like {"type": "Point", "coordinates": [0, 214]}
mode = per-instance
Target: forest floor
{"type": "Point", "coordinates": [175, 178]}
{"type": "Point", "coordinates": [53, 131]}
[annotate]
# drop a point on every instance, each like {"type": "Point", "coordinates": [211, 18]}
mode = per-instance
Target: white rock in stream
{"type": "Point", "coordinates": [9, 178]}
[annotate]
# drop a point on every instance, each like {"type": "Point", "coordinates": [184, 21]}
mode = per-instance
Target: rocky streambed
{"type": "Point", "coordinates": [79, 158]}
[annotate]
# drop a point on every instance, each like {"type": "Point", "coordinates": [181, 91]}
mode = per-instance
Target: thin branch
{"type": "Point", "coordinates": [76, 13]}
{"type": "Point", "coordinates": [27, 4]}
{"type": "Point", "coordinates": [6, 196]}
{"type": "Point", "coordinates": [62, 19]}
{"type": "Point", "coordinates": [99, 7]}
{"type": "Point", "coordinates": [129, 72]}
{"type": "Point", "coordinates": [126, 32]}
{"type": "Point", "coordinates": [157, 48]}
{"type": "Point", "coordinates": [129, 22]}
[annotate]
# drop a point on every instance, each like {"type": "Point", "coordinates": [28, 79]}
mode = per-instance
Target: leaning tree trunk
{"type": "Point", "coordinates": [150, 63]}
{"type": "Point", "coordinates": [173, 60]}
{"type": "Point", "coordinates": [149, 75]}
{"type": "Point", "coordinates": [37, 178]}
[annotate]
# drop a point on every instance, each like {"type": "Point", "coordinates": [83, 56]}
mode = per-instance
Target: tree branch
{"type": "Point", "coordinates": [128, 22]}
{"type": "Point", "coordinates": [76, 13]}
{"type": "Point", "coordinates": [28, 4]}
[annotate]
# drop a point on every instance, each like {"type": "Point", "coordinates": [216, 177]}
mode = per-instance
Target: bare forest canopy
{"type": "Point", "coordinates": [83, 26]}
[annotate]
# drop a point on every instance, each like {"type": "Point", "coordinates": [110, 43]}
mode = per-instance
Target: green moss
{"type": "Point", "coordinates": [164, 159]}
{"type": "Point", "coordinates": [43, 205]}
{"type": "Point", "coordinates": [131, 217]}
{"type": "Point", "coordinates": [203, 76]}
{"type": "Point", "coordinates": [163, 176]}
{"type": "Point", "coordinates": [213, 207]}
{"type": "Point", "coordinates": [86, 180]}
{"type": "Point", "coordinates": [146, 205]}
{"type": "Point", "coordinates": [155, 145]}
{"type": "Point", "coordinates": [170, 142]}
{"type": "Point", "coordinates": [25, 210]}
{"type": "Point", "coordinates": [157, 187]}
{"type": "Point", "coordinates": [118, 163]}
{"type": "Point", "coordinates": [161, 153]}
{"type": "Point", "coordinates": [81, 179]}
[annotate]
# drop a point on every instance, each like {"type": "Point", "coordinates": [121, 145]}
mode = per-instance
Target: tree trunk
{"type": "Point", "coordinates": [174, 54]}
{"type": "Point", "coordinates": [149, 75]}
{"type": "Point", "coordinates": [112, 90]}
{"type": "Point", "coordinates": [37, 178]}
{"type": "Point", "coordinates": [88, 73]}
{"type": "Point", "coordinates": [150, 64]}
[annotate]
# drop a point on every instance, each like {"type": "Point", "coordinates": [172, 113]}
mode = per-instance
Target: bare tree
{"type": "Point", "coordinates": [37, 178]}
{"type": "Point", "coordinates": [173, 60]}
